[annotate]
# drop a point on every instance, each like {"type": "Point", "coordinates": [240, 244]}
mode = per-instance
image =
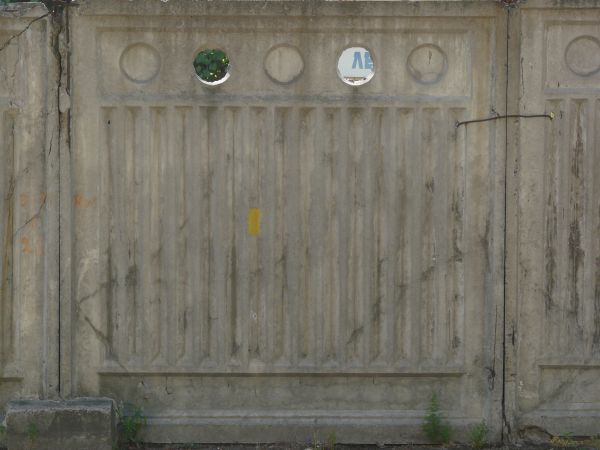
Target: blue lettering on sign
{"type": "Point", "coordinates": [368, 61]}
{"type": "Point", "coordinates": [358, 61]}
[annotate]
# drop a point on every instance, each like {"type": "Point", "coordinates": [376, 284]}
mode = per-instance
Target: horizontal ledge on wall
{"type": "Point", "coordinates": [192, 372]}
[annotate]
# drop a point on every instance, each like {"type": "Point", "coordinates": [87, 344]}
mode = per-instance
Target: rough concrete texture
{"type": "Point", "coordinates": [80, 424]}
{"type": "Point", "coordinates": [28, 204]}
{"type": "Point", "coordinates": [285, 255]}
{"type": "Point", "coordinates": [371, 276]}
{"type": "Point", "coordinates": [553, 252]}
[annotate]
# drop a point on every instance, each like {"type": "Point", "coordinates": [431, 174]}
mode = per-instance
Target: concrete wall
{"type": "Point", "coordinates": [29, 206]}
{"type": "Point", "coordinates": [389, 263]}
{"type": "Point", "coordinates": [553, 307]}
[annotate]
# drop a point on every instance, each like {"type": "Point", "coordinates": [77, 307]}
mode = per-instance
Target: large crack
{"type": "Point", "coordinates": [15, 36]}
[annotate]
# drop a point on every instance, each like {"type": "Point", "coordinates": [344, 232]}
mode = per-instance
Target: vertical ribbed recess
{"type": "Point", "coordinates": [572, 226]}
{"type": "Point", "coordinates": [7, 206]}
{"type": "Point", "coordinates": [359, 261]}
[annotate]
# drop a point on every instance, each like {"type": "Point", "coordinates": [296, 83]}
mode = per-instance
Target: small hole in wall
{"type": "Point", "coordinates": [212, 66]}
{"type": "Point", "coordinates": [355, 66]}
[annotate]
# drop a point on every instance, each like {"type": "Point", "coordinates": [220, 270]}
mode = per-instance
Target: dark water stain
{"type": "Point", "coordinates": [550, 257]}
{"type": "Point", "coordinates": [576, 255]}
{"type": "Point", "coordinates": [458, 219]}
{"type": "Point", "coordinates": [430, 185]}
{"type": "Point", "coordinates": [131, 279]}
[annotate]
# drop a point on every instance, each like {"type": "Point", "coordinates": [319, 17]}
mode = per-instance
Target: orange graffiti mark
{"type": "Point", "coordinates": [81, 201]}
{"type": "Point", "coordinates": [27, 199]}
{"type": "Point", "coordinates": [31, 248]}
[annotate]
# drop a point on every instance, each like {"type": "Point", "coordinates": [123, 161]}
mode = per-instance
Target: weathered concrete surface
{"type": "Point", "coordinates": [28, 205]}
{"type": "Point", "coordinates": [375, 274]}
{"type": "Point", "coordinates": [381, 231]}
{"type": "Point", "coordinates": [80, 424]}
{"type": "Point", "coordinates": [553, 253]}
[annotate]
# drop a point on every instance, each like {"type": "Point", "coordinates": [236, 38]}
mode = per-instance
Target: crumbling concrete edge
{"type": "Point", "coordinates": [65, 424]}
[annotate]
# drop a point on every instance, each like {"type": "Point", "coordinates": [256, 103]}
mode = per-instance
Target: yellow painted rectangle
{"type": "Point", "coordinates": [254, 221]}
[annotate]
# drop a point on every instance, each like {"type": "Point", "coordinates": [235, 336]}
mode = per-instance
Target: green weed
{"type": "Point", "coordinates": [329, 443]}
{"type": "Point", "coordinates": [131, 422]}
{"type": "Point", "coordinates": [435, 426]}
{"type": "Point", "coordinates": [478, 435]}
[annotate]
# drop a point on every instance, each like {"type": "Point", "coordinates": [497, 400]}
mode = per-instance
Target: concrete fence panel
{"type": "Point", "coordinates": [28, 192]}
{"type": "Point", "coordinates": [553, 319]}
{"type": "Point", "coordinates": [284, 254]}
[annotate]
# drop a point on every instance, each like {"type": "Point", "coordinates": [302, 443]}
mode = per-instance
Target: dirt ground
{"type": "Point", "coordinates": [296, 446]}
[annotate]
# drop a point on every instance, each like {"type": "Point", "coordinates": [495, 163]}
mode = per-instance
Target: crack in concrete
{"type": "Point", "coordinates": [15, 36]}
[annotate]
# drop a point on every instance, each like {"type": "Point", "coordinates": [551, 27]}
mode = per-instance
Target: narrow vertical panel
{"type": "Point", "coordinates": [118, 245]}
{"type": "Point", "coordinates": [590, 238]}
{"type": "Point", "coordinates": [221, 204]}
{"type": "Point", "coordinates": [245, 196]}
{"type": "Point", "coordinates": [552, 256]}
{"type": "Point", "coordinates": [257, 129]}
{"type": "Point", "coordinates": [7, 205]}
{"type": "Point", "coordinates": [370, 304]}
{"type": "Point", "coordinates": [595, 217]}
{"type": "Point", "coordinates": [232, 147]}
{"type": "Point", "coordinates": [198, 211]}
{"type": "Point", "coordinates": [319, 206]}
{"type": "Point", "coordinates": [455, 277]}
{"type": "Point", "coordinates": [215, 169]}
{"type": "Point", "coordinates": [106, 231]}
{"type": "Point", "coordinates": [576, 253]}
{"type": "Point", "coordinates": [143, 203]}
{"type": "Point", "coordinates": [380, 238]}
{"type": "Point", "coordinates": [429, 246]}
{"type": "Point", "coordinates": [404, 165]}
{"type": "Point", "coordinates": [440, 186]}
{"type": "Point", "coordinates": [132, 278]}
{"type": "Point", "coordinates": [169, 235]}
{"type": "Point", "coordinates": [279, 343]}
{"type": "Point", "coordinates": [295, 261]}
{"type": "Point", "coordinates": [306, 319]}
{"type": "Point", "coordinates": [156, 313]}
{"type": "Point", "coordinates": [182, 151]}
{"type": "Point", "coordinates": [355, 207]}
{"type": "Point", "coordinates": [331, 298]}
{"type": "Point", "coordinates": [344, 186]}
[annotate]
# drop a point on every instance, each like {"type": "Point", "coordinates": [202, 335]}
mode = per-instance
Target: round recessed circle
{"type": "Point", "coordinates": [140, 62]}
{"type": "Point", "coordinates": [284, 63]}
{"type": "Point", "coordinates": [212, 66]}
{"type": "Point", "coordinates": [355, 66]}
{"type": "Point", "coordinates": [582, 56]}
{"type": "Point", "coordinates": [427, 64]}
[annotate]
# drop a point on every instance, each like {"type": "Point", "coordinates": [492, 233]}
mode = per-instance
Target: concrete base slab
{"type": "Point", "coordinates": [80, 424]}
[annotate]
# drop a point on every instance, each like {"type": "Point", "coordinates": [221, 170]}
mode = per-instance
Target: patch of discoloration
{"type": "Point", "coordinates": [550, 249]}
{"type": "Point", "coordinates": [457, 214]}
{"type": "Point", "coordinates": [576, 255]}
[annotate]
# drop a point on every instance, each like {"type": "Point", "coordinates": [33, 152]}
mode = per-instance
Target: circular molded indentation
{"type": "Point", "coordinates": [427, 63]}
{"type": "Point", "coordinates": [582, 56]}
{"type": "Point", "coordinates": [355, 66]}
{"type": "Point", "coordinates": [284, 63]}
{"type": "Point", "coordinates": [212, 66]}
{"type": "Point", "coordinates": [140, 62]}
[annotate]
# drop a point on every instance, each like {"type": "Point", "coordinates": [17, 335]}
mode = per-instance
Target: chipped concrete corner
{"type": "Point", "coordinates": [283, 255]}
{"type": "Point", "coordinates": [82, 424]}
